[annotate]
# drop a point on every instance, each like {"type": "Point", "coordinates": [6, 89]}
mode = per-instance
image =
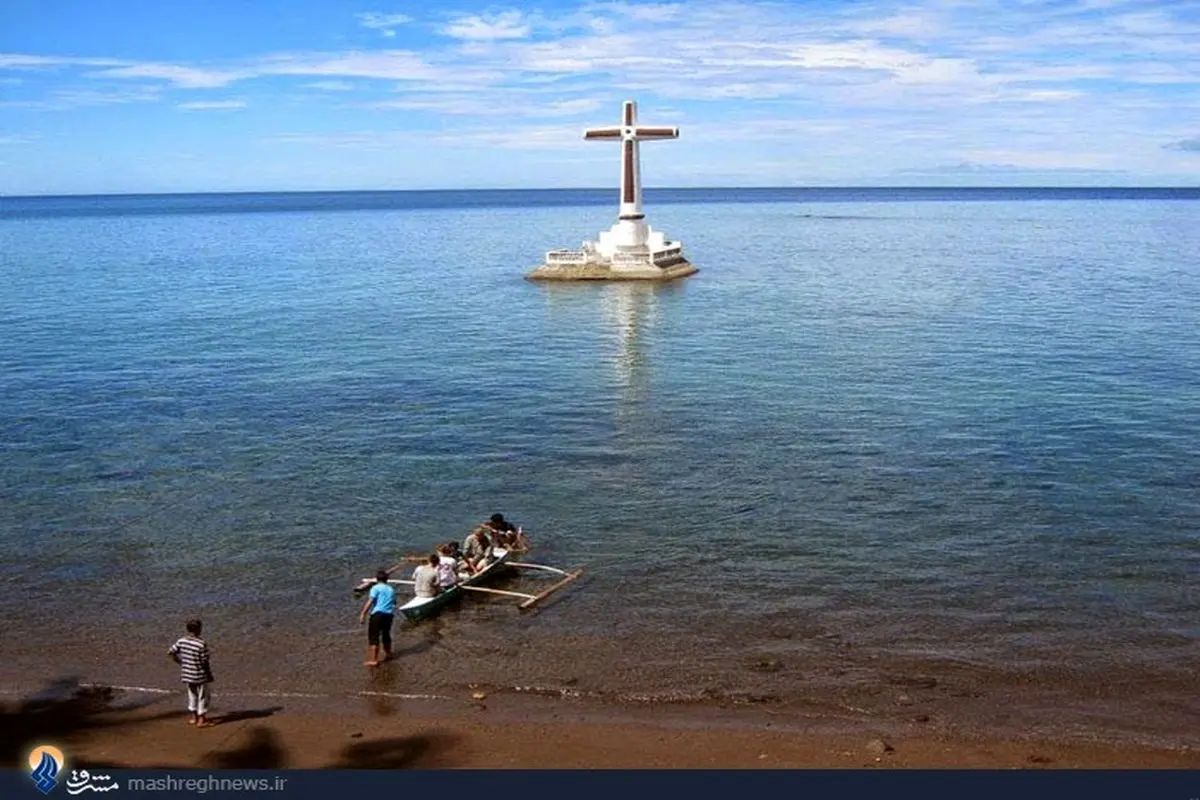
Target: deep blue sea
{"type": "Point", "coordinates": [890, 454]}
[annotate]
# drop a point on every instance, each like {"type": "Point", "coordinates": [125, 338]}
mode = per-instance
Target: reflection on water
{"type": "Point", "coordinates": [629, 312]}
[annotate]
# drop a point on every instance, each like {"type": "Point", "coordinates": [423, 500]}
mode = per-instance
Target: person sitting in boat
{"type": "Point", "coordinates": [477, 548]}
{"type": "Point", "coordinates": [447, 568]}
{"type": "Point", "coordinates": [520, 542]}
{"type": "Point", "coordinates": [461, 567]}
{"type": "Point", "coordinates": [506, 535]}
{"type": "Point", "coordinates": [425, 577]}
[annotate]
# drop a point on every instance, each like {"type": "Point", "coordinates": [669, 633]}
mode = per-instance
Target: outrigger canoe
{"type": "Point", "coordinates": [422, 608]}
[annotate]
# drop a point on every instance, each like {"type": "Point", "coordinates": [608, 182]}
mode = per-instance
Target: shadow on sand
{"type": "Point", "coordinates": [403, 752]}
{"type": "Point", "coordinates": [242, 716]}
{"type": "Point", "coordinates": [260, 749]}
{"type": "Point", "coordinates": [63, 712]}
{"type": "Point", "coordinates": [66, 713]}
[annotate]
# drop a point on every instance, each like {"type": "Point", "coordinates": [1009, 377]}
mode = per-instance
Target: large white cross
{"type": "Point", "coordinates": [629, 135]}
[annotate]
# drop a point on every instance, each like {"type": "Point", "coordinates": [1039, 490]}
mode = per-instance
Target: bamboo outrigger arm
{"type": "Point", "coordinates": [550, 590]}
{"type": "Point", "coordinates": [527, 565]}
{"type": "Point", "coordinates": [498, 591]}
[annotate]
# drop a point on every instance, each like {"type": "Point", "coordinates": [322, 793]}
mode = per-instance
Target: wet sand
{"type": "Point", "coordinates": [120, 729]}
{"type": "Point", "coordinates": [530, 671]}
{"type": "Point", "coordinates": [932, 712]}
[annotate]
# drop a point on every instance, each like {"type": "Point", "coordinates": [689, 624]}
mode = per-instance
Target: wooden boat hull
{"type": "Point", "coordinates": [415, 612]}
{"type": "Point", "coordinates": [422, 608]}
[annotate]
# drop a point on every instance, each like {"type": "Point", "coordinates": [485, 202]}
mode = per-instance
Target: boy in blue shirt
{"type": "Point", "coordinates": [381, 604]}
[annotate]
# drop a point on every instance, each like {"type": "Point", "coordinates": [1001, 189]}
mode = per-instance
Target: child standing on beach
{"type": "Point", "coordinates": [190, 652]}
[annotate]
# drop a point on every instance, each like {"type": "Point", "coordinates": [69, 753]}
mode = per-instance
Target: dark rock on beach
{"type": "Point", "coordinates": [878, 747]}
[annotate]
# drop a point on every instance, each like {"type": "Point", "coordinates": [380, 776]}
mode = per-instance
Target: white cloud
{"type": "Point", "coordinates": [547, 137]}
{"type": "Point", "coordinates": [921, 24]}
{"type": "Point", "coordinates": [181, 76]}
{"type": "Point", "coordinates": [723, 51]}
{"type": "Point", "coordinates": [386, 24]}
{"type": "Point", "coordinates": [959, 71]}
{"type": "Point", "coordinates": [650, 12]}
{"type": "Point", "coordinates": [23, 61]}
{"type": "Point", "coordinates": [570, 107]}
{"type": "Point", "coordinates": [895, 83]}
{"type": "Point", "coordinates": [212, 105]}
{"type": "Point", "coordinates": [355, 140]}
{"type": "Point", "coordinates": [764, 129]}
{"type": "Point", "coordinates": [976, 168]}
{"type": "Point", "coordinates": [1185, 145]}
{"type": "Point", "coordinates": [14, 139]}
{"type": "Point", "coordinates": [1161, 73]}
{"type": "Point", "coordinates": [539, 137]}
{"type": "Point", "coordinates": [1042, 160]}
{"type": "Point", "coordinates": [1148, 23]}
{"type": "Point", "coordinates": [396, 65]}
{"type": "Point", "coordinates": [474, 27]}
{"type": "Point", "coordinates": [330, 86]}
{"type": "Point", "coordinates": [1050, 95]}
{"type": "Point", "coordinates": [1057, 72]}
{"type": "Point", "coordinates": [68, 99]}
{"type": "Point", "coordinates": [378, 64]}
{"type": "Point", "coordinates": [483, 105]}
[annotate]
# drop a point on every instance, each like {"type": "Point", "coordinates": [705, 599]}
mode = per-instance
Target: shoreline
{"type": "Point", "coordinates": [547, 678]}
{"type": "Point", "coordinates": [784, 676]}
{"type": "Point", "coordinates": [123, 729]}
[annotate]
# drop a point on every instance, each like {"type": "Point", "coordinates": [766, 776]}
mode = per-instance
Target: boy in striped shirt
{"type": "Point", "coordinates": [191, 654]}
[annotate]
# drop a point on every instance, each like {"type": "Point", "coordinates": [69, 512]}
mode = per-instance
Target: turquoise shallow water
{"type": "Point", "coordinates": [881, 439]}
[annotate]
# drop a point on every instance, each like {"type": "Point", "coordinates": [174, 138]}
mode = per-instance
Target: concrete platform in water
{"type": "Point", "coordinates": [605, 272]}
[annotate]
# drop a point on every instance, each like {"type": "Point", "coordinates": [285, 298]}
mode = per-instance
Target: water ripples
{"type": "Point", "coordinates": [939, 430]}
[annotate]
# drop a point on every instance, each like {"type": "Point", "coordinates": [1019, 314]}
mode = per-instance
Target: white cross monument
{"type": "Point", "coordinates": [630, 249]}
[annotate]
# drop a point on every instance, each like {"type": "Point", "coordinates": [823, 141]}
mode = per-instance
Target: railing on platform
{"type": "Point", "coordinates": [567, 257]}
{"type": "Point", "coordinates": [665, 257]}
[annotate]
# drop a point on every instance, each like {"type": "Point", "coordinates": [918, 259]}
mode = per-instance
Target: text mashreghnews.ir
{"type": "Point", "coordinates": [205, 783]}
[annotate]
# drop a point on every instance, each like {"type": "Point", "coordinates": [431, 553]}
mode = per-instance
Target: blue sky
{"type": "Point", "coordinates": [243, 95]}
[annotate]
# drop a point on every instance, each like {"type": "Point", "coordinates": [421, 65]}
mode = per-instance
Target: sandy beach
{"type": "Point", "coordinates": [117, 730]}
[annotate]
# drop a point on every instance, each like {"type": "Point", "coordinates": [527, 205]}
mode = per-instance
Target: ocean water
{"type": "Point", "coordinates": [909, 457]}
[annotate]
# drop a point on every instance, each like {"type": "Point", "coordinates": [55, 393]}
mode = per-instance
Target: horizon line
{"type": "Point", "coordinates": [891, 187]}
